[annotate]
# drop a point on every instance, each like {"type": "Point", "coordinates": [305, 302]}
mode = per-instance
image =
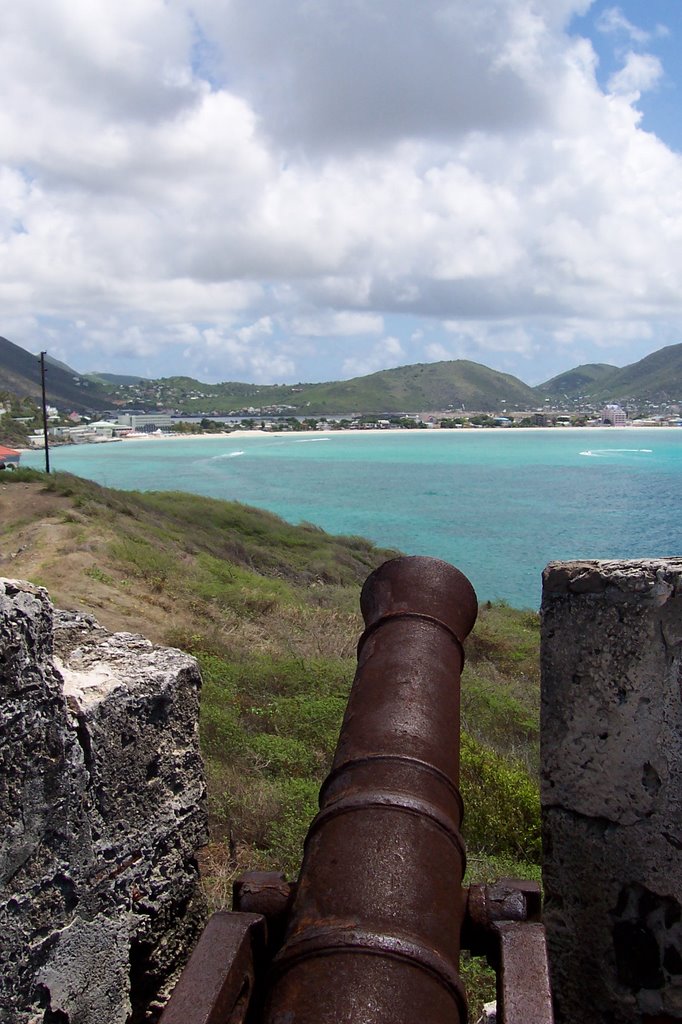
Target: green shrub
{"type": "Point", "coordinates": [315, 721]}
{"type": "Point", "coordinates": [95, 573]}
{"type": "Point", "coordinates": [216, 672]}
{"type": "Point", "coordinates": [501, 801]}
{"type": "Point", "coordinates": [283, 755]}
{"type": "Point", "coordinates": [479, 982]}
{"type": "Point", "coordinates": [261, 677]}
{"type": "Point", "coordinates": [222, 735]}
{"type": "Point", "coordinates": [242, 807]}
{"type": "Point", "coordinates": [152, 563]}
{"type": "Point", "coordinates": [298, 805]}
{"type": "Point", "coordinates": [507, 637]}
{"type": "Point", "coordinates": [231, 586]}
{"type": "Point", "coordinates": [493, 713]}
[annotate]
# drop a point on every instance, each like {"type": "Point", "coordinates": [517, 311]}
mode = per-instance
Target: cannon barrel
{"type": "Point", "coordinates": [374, 931]}
{"type": "Point", "coordinates": [371, 931]}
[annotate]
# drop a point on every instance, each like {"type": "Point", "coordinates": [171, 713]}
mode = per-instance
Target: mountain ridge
{"type": "Point", "coordinates": [449, 385]}
{"type": "Point", "coordinates": [20, 374]}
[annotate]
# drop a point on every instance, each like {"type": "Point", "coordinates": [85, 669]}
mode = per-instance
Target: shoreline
{"type": "Point", "coordinates": [325, 435]}
{"type": "Point", "coordinates": [499, 515]}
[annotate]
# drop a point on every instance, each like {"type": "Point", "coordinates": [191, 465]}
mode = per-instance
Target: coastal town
{"type": "Point", "coordinates": [75, 428]}
{"type": "Point", "coordinates": [42, 401]}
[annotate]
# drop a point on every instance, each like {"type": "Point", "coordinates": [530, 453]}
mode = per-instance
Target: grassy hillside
{"type": "Point", "coordinates": [115, 378]}
{"type": "Point", "coordinates": [454, 384]}
{"type": "Point", "coordinates": [271, 612]}
{"type": "Point", "coordinates": [20, 373]}
{"type": "Point", "coordinates": [656, 378]}
{"type": "Point", "coordinates": [582, 380]}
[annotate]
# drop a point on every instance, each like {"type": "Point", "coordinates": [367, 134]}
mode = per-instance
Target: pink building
{"type": "Point", "coordinates": [614, 415]}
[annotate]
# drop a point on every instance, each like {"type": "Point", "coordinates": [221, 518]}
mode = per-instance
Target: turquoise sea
{"type": "Point", "coordinates": [498, 504]}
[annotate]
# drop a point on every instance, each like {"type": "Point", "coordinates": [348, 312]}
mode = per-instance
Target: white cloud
{"type": "Point", "coordinates": [326, 325]}
{"type": "Point", "coordinates": [479, 339]}
{"type": "Point", "coordinates": [437, 352]}
{"type": "Point", "coordinates": [251, 188]}
{"type": "Point", "coordinates": [334, 77]}
{"type": "Point", "coordinates": [612, 21]}
{"type": "Point", "coordinates": [594, 332]}
{"type": "Point", "coordinates": [262, 328]}
{"type": "Point", "coordinates": [383, 354]}
{"type": "Point", "coordinates": [640, 72]}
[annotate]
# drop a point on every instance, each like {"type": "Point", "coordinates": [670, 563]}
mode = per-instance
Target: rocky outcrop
{"type": "Point", "coordinates": [102, 808]}
{"type": "Point", "coordinates": [612, 788]}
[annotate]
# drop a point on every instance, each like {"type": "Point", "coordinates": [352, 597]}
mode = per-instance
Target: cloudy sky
{"type": "Point", "coordinates": [301, 190]}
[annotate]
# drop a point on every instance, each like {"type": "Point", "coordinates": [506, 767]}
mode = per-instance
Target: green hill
{"type": "Point", "coordinates": [583, 380]}
{"type": "Point", "coordinates": [657, 378]}
{"type": "Point", "coordinates": [453, 385]}
{"type": "Point", "coordinates": [51, 361]}
{"type": "Point", "coordinates": [20, 375]}
{"type": "Point", "coordinates": [114, 378]}
{"type": "Point", "coordinates": [448, 385]}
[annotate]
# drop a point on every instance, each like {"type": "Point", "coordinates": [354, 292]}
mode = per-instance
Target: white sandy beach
{"type": "Point", "coordinates": [437, 431]}
{"type": "Point", "coordinates": [324, 435]}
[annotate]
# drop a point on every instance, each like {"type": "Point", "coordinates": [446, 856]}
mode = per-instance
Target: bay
{"type": "Point", "coordinates": [497, 504]}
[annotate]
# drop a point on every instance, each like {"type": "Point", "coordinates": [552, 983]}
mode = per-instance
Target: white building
{"type": "Point", "coordinates": [146, 424]}
{"type": "Point", "coordinates": [106, 428]}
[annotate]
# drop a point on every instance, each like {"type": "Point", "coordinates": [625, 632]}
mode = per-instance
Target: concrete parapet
{"type": "Point", "coordinates": [102, 807]}
{"type": "Point", "coordinates": [612, 788]}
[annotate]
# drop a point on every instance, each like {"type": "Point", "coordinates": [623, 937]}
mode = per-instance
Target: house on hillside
{"type": "Point", "coordinates": [9, 459]}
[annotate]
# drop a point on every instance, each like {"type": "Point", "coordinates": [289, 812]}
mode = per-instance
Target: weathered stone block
{"type": "Point", "coordinates": [102, 808]}
{"type": "Point", "coordinates": [612, 788]}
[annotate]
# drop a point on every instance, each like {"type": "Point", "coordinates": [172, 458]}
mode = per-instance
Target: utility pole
{"type": "Point", "coordinates": [42, 382]}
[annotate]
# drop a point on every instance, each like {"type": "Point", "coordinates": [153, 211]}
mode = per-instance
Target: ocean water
{"type": "Point", "coordinates": [497, 504]}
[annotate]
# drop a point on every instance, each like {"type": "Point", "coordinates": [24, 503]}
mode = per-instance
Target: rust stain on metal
{"type": "Point", "coordinates": [217, 984]}
{"type": "Point", "coordinates": [267, 893]}
{"type": "Point", "coordinates": [374, 930]}
{"type": "Point", "coordinates": [508, 899]}
{"type": "Point", "coordinates": [523, 990]}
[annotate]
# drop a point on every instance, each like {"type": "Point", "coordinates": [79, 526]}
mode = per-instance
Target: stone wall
{"type": "Point", "coordinates": [102, 809]}
{"type": "Point", "coordinates": [612, 788]}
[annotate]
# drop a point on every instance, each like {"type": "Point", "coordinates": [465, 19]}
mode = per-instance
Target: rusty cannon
{"type": "Point", "coordinates": [371, 931]}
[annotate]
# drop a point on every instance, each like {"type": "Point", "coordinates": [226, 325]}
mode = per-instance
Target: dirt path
{"type": "Point", "coordinates": [45, 539]}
